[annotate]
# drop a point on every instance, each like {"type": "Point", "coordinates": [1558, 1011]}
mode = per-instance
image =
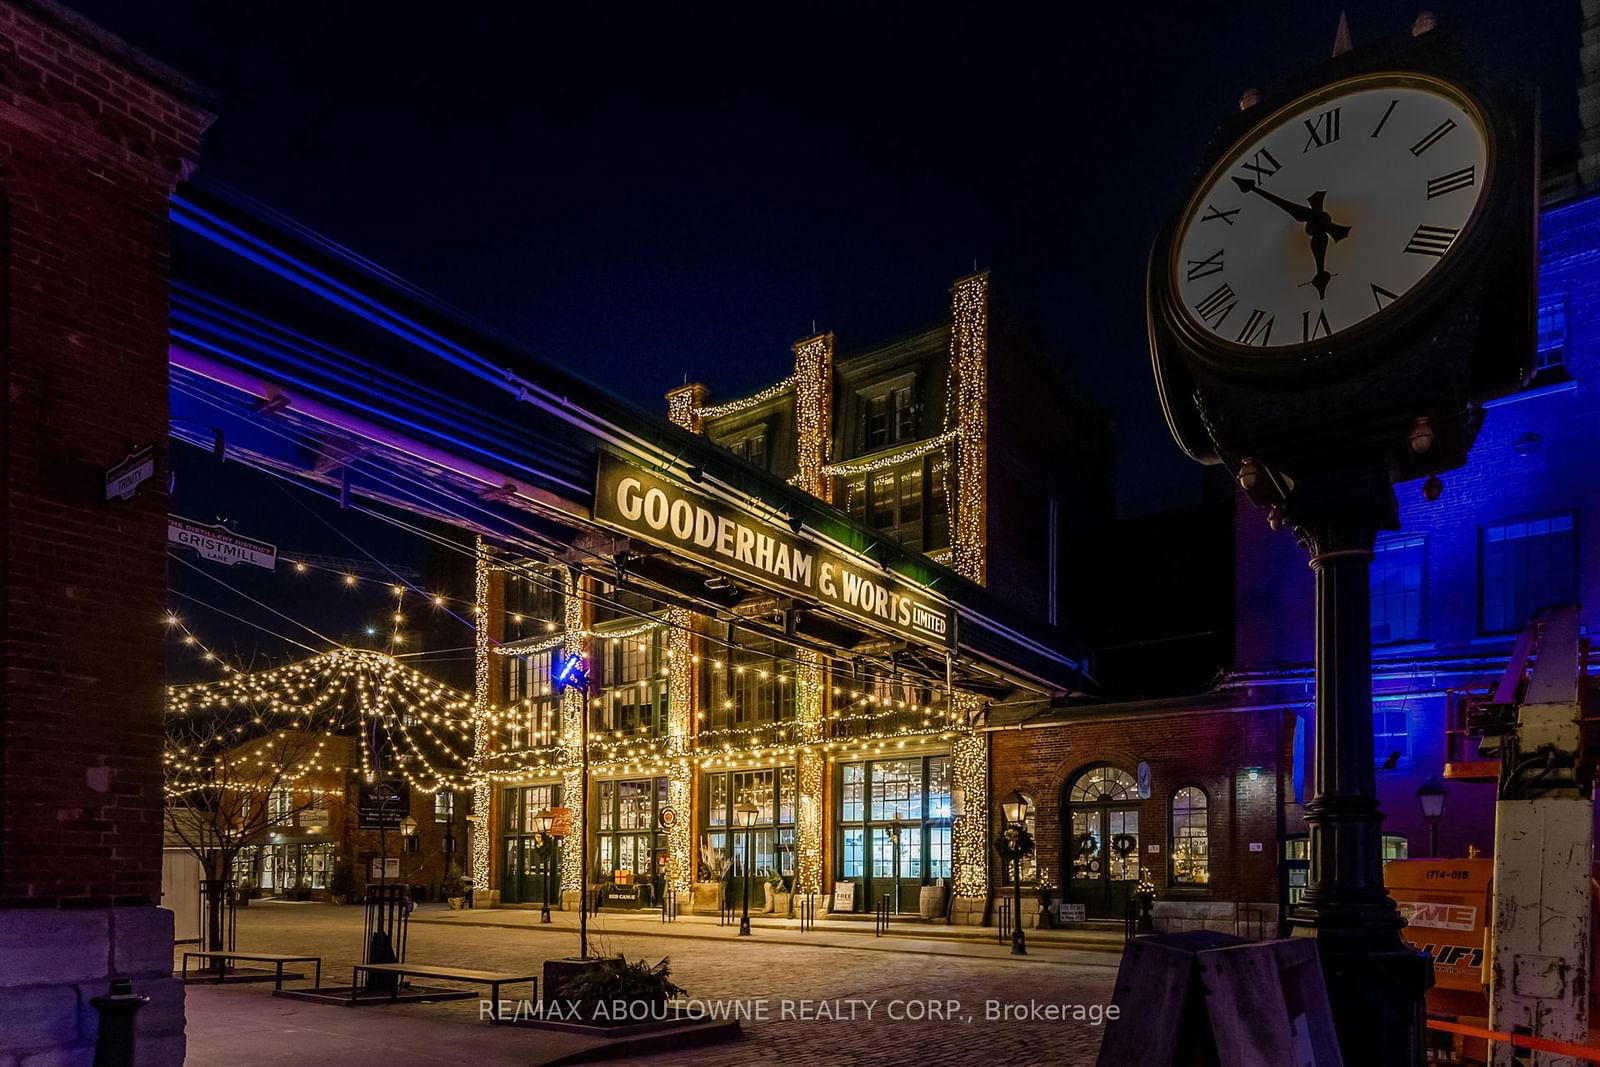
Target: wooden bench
{"type": "Point", "coordinates": [493, 979]}
{"type": "Point", "coordinates": [222, 959]}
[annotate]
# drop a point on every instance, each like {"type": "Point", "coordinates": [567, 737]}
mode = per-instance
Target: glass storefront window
{"type": "Point", "coordinates": [897, 789]}
{"type": "Point", "coordinates": [939, 787]}
{"type": "Point", "coordinates": [786, 795]}
{"type": "Point", "coordinates": [523, 875]}
{"type": "Point", "coordinates": [771, 790]}
{"type": "Point", "coordinates": [854, 783]}
{"type": "Point", "coordinates": [629, 837]}
{"type": "Point", "coordinates": [873, 796]}
{"type": "Point", "coordinates": [853, 866]}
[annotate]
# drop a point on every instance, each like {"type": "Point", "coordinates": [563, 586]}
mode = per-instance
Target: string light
{"type": "Point", "coordinates": [969, 359]}
{"type": "Point", "coordinates": [892, 458]}
{"type": "Point", "coordinates": [733, 407]}
{"type": "Point", "coordinates": [813, 413]}
{"type": "Point", "coordinates": [481, 795]}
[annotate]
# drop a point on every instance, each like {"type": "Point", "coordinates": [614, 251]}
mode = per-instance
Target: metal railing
{"type": "Point", "coordinates": [1002, 920]}
{"type": "Point", "coordinates": [669, 905]}
{"type": "Point", "coordinates": [808, 911]}
{"type": "Point", "coordinates": [880, 923]}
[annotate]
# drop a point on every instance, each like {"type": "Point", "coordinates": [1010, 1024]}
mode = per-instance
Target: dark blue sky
{"type": "Point", "coordinates": [650, 195]}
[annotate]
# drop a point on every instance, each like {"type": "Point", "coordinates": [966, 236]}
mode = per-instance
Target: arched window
{"type": "Point", "coordinates": [1191, 841]}
{"type": "Point", "coordinates": [1103, 783]}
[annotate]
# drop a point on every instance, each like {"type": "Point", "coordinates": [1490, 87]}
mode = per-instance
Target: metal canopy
{"type": "Point", "coordinates": [313, 363]}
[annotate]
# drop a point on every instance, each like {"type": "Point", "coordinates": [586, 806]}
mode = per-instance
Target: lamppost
{"type": "Point", "coordinates": [385, 794]}
{"type": "Point", "coordinates": [1430, 795]}
{"type": "Point", "coordinates": [745, 814]}
{"type": "Point", "coordinates": [541, 827]}
{"type": "Point", "coordinates": [569, 671]}
{"type": "Point", "coordinates": [896, 828]}
{"type": "Point", "coordinates": [1013, 844]}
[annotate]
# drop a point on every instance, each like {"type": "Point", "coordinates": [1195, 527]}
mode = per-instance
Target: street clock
{"type": "Point", "coordinates": [1355, 260]}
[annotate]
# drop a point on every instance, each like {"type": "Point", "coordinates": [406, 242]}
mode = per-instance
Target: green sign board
{"type": "Point", "coordinates": [715, 533]}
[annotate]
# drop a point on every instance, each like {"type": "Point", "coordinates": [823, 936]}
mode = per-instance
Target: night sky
{"type": "Point", "coordinates": [654, 196]}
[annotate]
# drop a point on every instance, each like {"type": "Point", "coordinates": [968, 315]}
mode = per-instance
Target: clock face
{"type": "Point", "coordinates": [1330, 212]}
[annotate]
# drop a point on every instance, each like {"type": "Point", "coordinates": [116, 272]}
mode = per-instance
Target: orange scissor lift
{"type": "Point", "coordinates": [1449, 904]}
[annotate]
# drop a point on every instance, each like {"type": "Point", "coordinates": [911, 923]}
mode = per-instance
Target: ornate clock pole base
{"type": "Point", "coordinates": [1375, 983]}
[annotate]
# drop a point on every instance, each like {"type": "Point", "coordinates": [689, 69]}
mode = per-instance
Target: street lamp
{"type": "Point", "coordinates": [569, 671]}
{"type": "Point", "coordinates": [1015, 843]}
{"type": "Point", "coordinates": [541, 827]}
{"type": "Point", "coordinates": [896, 828]}
{"type": "Point", "coordinates": [745, 814]}
{"type": "Point", "coordinates": [1430, 795]}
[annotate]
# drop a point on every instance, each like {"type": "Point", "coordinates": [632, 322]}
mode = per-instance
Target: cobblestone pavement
{"type": "Point", "coordinates": [801, 997]}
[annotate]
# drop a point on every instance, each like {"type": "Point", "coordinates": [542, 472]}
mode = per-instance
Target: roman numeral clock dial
{"type": "Point", "coordinates": [1330, 212]}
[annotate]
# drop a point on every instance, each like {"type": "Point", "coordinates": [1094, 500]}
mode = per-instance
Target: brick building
{"type": "Point", "coordinates": [93, 136]}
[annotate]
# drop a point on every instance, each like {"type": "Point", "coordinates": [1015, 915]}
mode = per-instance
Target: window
{"type": "Point", "coordinates": [1296, 867]}
{"type": "Point", "coordinates": [633, 689]}
{"type": "Point", "coordinates": [280, 806]}
{"type": "Point", "coordinates": [890, 417]}
{"type": "Point", "coordinates": [1395, 847]}
{"type": "Point", "coordinates": [444, 806]}
{"type": "Point", "coordinates": [1390, 738]}
{"type": "Point", "coordinates": [413, 843]}
{"type": "Point", "coordinates": [629, 836]}
{"type": "Point", "coordinates": [1397, 578]}
{"type": "Point", "coordinates": [771, 839]}
{"type": "Point", "coordinates": [752, 687]}
{"type": "Point", "coordinates": [751, 448]}
{"type": "Point", "coordinates": [1526, 566]}
{"type": "Point", "coordinates": [535, 715]}
{"type": "Point", "coordinates": [1029, 868]}
{"type": "Point", "coordinates": [1551, 351]}
{"type": "Point", "coordinates": [1191, 864]}
{"type": "Point", "coordinates": [908, 501]}
{"type": "Point", "coordinates": [874, 795]}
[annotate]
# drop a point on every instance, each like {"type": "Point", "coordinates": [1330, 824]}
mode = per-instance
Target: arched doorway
{"type": "Point", "coordinates": [1101, 845]}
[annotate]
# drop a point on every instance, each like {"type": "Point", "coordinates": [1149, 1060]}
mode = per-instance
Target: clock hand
{"type": "Point", "coordinates": [1319, 249]}
{"type": "Point", "coordinates": [1321, 222]}
{"type": "Point", "coordinates": [1298, 212]}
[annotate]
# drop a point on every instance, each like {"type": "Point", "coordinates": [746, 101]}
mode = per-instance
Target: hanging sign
{"type": "Point", "coordinates": [669, 817]}
{"type": "Point", "coordinates": [220, 544]}
{"type": "Point", "coordinates": [383, 806]}
{"type": "Point", "coordinates": [560, 822]}
{"type": "Point", "coordinates": [674, 516]}
{"type": "Point", "coordinates": [1142, 775]}
{"type": "Point", "coordinates": [125, 477]}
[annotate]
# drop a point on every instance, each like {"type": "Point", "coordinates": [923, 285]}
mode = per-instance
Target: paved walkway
{"type": "Point", "coordinates": [939, 939]}
{"type": "Point", "coordinates": [820, 997]}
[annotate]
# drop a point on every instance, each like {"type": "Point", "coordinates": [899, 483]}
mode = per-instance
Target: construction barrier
{"type": "Point", "coordinates": [1536, 1044]}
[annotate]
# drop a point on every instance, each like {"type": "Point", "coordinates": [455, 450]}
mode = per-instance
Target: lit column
{"type": "Point", "coordinates": [813, 412]}
{"type": "Point", "coordinates": [572, 797]}
{"type": "Point", "coordinates": [482, 726]}
{"type": "Point", "coordinates": [969, 836]}
{"type": "Point", "coordinates": [684, 404]}
{"type": "Point", "coordinates": [969, 362]}
{"type": "Point", "coordinates": [680, 730]}
{"type": "Point", "coordinates": [809, 764]}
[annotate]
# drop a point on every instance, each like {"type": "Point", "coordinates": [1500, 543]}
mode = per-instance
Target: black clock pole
{"type": "Point", "coordinates": [1376, 983]}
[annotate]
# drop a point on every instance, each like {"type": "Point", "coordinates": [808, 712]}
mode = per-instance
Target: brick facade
{"type": "Point", "coordinates": [1533, 459]}
{"type": "Point", "coordinates": [92, 139]}
{"type": "Point", "coordinates": [91, 148]}
{"type": "Point", "coordinates": [1232, 755]}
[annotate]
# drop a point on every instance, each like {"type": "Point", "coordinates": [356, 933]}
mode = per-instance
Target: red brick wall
{"type": "Point", "coordinates": [91, 140]}
{"type": "Point", "coordinates": [1212, 749]}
